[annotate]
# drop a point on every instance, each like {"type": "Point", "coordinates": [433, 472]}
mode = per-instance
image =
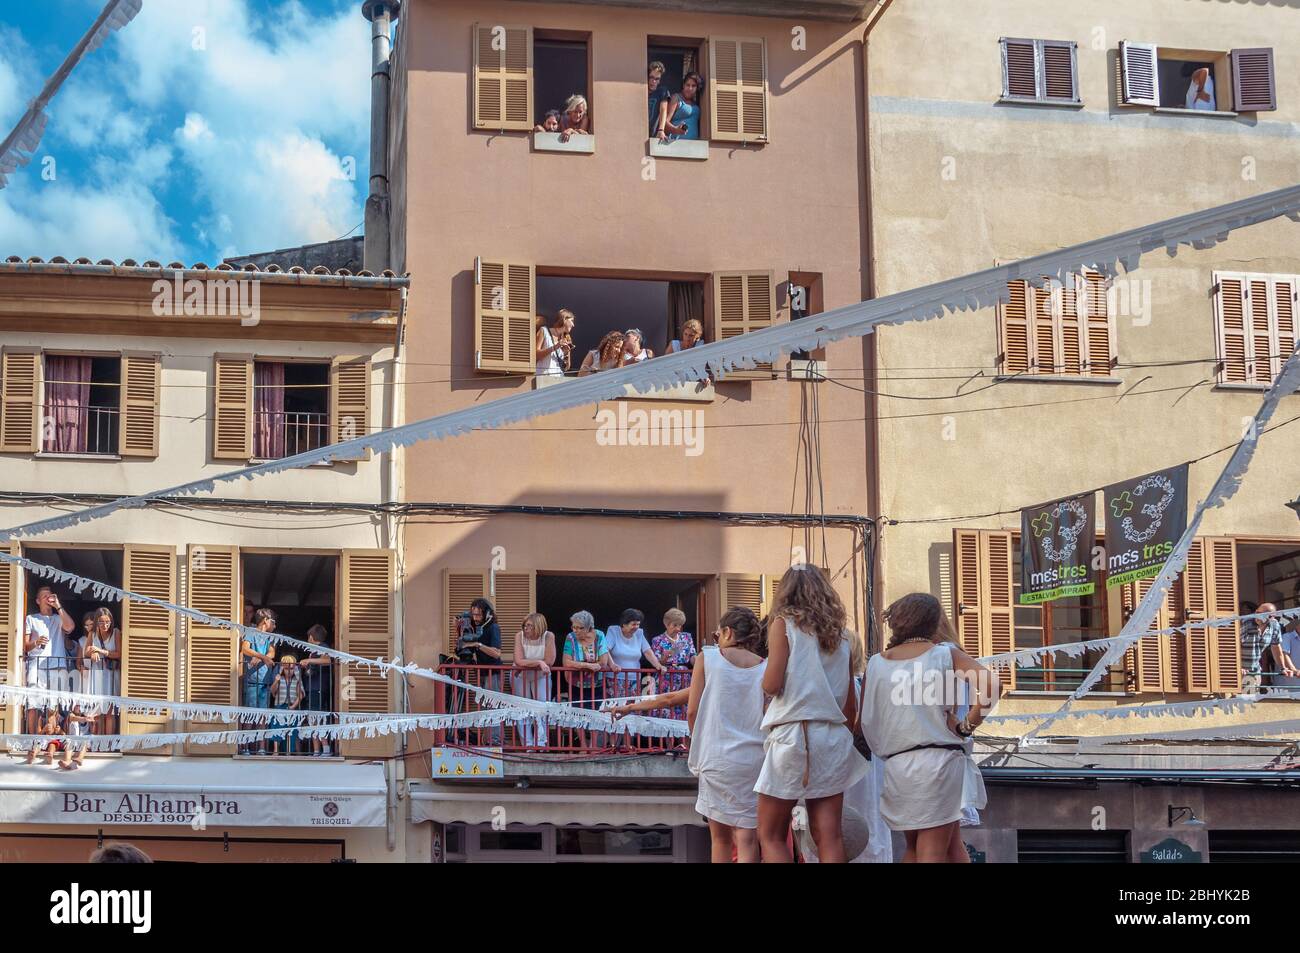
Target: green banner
{"type": "Point", "coordinates": [1145, 518]}
{"type": "Point", "coordinates": [1056, 542]}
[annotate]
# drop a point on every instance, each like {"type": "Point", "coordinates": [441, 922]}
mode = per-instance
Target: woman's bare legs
{"type": "Point", "coordinates": [824, 823]}
{"type": "Point", "coordinates": [774, 829]}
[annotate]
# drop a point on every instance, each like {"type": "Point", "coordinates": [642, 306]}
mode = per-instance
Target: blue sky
{"type": "Point", "coordinates": [203, 129]}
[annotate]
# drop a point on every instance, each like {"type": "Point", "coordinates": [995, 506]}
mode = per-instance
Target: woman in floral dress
{"type": "Point", "coordinates": [675, 650]}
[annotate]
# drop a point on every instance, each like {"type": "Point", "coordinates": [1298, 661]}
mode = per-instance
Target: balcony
{"type": "Point", "coordinates": [284, 433]}
{"type": "Point", "coordinates": [80, 428]}
{"type": "Point", "coordinates": [844, 11]}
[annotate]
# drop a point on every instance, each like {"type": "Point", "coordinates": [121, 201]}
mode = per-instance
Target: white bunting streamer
{"type": "Point", "coordinates": [1258, 729]}
{"type": "Point", "coordinates": [974, 291]}
{"type": "Point", "coordinates": [1224, 488]}
{"type": "Point", "coordinates": [1192, 709]}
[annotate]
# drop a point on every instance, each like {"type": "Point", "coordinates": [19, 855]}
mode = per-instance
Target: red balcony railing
{"type": "Point", "coordinates": [582, 688]}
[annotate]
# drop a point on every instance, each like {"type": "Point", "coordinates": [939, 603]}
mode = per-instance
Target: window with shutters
{"type": "Point", "coordinates": [1043, 72]}
{"type": "Point", "coordinates": [743, 301]}
{"type": "Point", "coordinates": [1178, 80]}
{"type": "Point", "coordinates": [1058, 330]}
{"type": "Point", "coordinates": [81, 405]}
{"type": "Point", "coordinates": [561, 74]}
{"type": "Point", "coordinates": [502, 77]}
{"type": "Point", "coordinates": [290, 408]}
{"type": "Point", "coordinates": [679, 58]}
{"type": "Point", "coordinates": [1255, 326]}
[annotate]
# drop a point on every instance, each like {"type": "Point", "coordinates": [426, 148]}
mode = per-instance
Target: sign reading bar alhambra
{"type": "Point", "coordinates": [1145, 517]}
{"type": "Point", "coordinates": [1056, 549]}
{"type": "Point", "coordinates": [196, 810]}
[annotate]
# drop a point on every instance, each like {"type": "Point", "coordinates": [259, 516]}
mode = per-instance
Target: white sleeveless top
{"type": "Point", "coordinates": [816, 684]}
{"type": "Point", "coordinates": [550, 365]}
{"type": "Point", "coordinates": [729, 722]}
{"type": "Point", "coordinates": [533, 650]}
{"type": "Point", "coordinates": [907, 701]}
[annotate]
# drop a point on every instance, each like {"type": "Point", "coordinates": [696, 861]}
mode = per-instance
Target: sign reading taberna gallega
{"type": "Point", "coordinates": [1056, 542]}
{"type": "Point", "coordinates": [1145, 518]}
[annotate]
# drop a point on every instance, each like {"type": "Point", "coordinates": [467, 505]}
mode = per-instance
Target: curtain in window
{"type": "Point", "coordinates": [65, 422]}
{"type": "Point", "coordinates": [268, 411]}
{"type": "Point", "coordinates": [685, 301]}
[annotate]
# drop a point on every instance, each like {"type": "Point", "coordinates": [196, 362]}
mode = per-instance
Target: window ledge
{"type": "Point", "coordinates": [1063, 103]}
{"type": "Point", "coordinates": [54, 455]}
{"type": "Point", "coordinates": [1031, 693]}
{"type": "Point", "coordinates": [1211, 113]}
{"type": "Point", "coordinates": [326, 464]}
{"type": "Point", "coordinates": [679, 149]}
{"type": "Point", "coordinates": [1060, 379]}
{"type": "Point", "coordinates": [1236, 385]}
{"type": "Point", "coordinates": [550, 142]}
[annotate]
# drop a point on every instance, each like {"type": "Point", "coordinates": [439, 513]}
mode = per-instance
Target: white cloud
{"type": "Point", "coordinates": [105, 222]}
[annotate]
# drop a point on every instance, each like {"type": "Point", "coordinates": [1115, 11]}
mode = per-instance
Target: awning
{"type": "Point", "coordinates": [208, 793]}
{"type": "Point", "coordinates": [448, 805]}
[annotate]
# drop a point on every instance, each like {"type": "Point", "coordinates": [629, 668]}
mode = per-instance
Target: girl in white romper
{"type": "Point", "coordinates": [724, 709]}
{"type": "Point", "coordinates": [809, 752]}
{"type": "Point", "coordinates": [914, 688]}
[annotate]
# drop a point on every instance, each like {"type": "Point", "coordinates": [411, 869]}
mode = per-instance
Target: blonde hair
{"type": "Point", "coordinates": [573, 102]}
{"type": "Point", "coordinates": [539, 623]}
{"type": "Point", "coordinates": [674, 616]}
{"type": "Point", "coordinates": [564, 314]}
{"type": "Point", "coordinates": [807, 597]}
{"type": "Point", "coordinates": [694, 324]}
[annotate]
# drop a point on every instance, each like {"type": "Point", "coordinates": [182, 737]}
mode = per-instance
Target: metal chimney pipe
{"type": "Point", "coordinates": [377, 253]}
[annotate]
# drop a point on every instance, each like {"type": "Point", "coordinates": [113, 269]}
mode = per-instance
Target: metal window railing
{"type": "Point", "coordinates": [97, 426]}
{"type": "Point", "coordinates": [68, 672]}
{"type": "Point", "coordinates": [316, 693]}
{"type": "Point", "coordinates": [284, 433]}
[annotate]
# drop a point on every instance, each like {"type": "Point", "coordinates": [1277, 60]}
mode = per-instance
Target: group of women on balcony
{"type": "Point", "coordinates": [554, 346]}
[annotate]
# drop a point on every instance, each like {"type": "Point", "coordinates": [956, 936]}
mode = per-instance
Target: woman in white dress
{"type": "Point", "coordinates": [913, 690]}
{"type": "Point", "coordinates": [808, 753]}
{"type": "Point", "coordinates": [554, 344]}
{"type": "Point", "coordinates": [104, 664]}
{"type": "Point", "coordinates": [534, 656]}
{"type": "Point", "coordinates": [724, 709]}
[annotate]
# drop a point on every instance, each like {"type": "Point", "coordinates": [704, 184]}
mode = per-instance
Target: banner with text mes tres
{"type": "Point", "coordinates": [1145, 518]}
{"type": "Point", "coordinates": [1056, 542]}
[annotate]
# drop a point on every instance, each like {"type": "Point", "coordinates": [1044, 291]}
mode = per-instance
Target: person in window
{"type": "Point", "coordinates": [258, 657]}
{"type": "Point", "coordinates": [318, 684]}
{"type": "Point", "coordinates": [680, 118]}
{"type": "Point", "coordinates": [550, 122]}
{"type": "Point", "coordinates": [675, 651]}
{"type": "Point", "coordinates": [575, 118]}
{"type": "Point", "coordinates": [628, 652]}
{"type": "Point", "coordinates": [658, 94]}
{"type": "Point", "coordinates": [51, 724]}
{"type": "Point", "coordinates": [586, 653]}
{"type": "Point", "coordinates": [286, 695]}
{"type": "Point", "coordinates": [606, 356]}
{"type": "Point", "coordinates": [1290, 679]}
{"type": "Point", "coordinates": [103, 657]}
{"type": "Point", "coordinates": [692, 334]}
{"type": "Point", "coordinates": [81, 678]}
{"type": "Point", "coordinates": [534, 656]}
{"type": "Point", "coordinates": [1200, 91]}
{"type": "Point", "coordinates": [634, 350]}
{"type": "Point", "coordinates": [77, 725]}
{"type": "Point", "coordinates": [1261, 648]}
{"type": "Point", "coordinates": [45, 645]}
{"type": "Point", "coordinates": [554, 344]}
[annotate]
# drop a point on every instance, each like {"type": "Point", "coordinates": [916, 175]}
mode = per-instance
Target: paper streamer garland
{"type": "Point", "coordinates": [1190, 709]}
{"type": "Point", "coordinates": [974, 291]}
{"type": "Point", "coordinates": [1224, 488]}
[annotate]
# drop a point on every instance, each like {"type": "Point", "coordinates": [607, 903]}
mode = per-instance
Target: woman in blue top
{"type": "Point", "coordinates": [681, 120]}
{"type": "Point", "coordinates": [586, 653]}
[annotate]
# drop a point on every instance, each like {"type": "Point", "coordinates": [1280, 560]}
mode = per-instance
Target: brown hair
{"type": "Point", "coordinates": [751, 635]}
{"type": "Point", "coordinates": [917, 615]}
{"type": "Point", "coordinates": [807, 597]}
{"type": "Point", "coordinates": [118, 853]}
{"type": "Point", "coordinates": [103, 611]}
{"type": "Point", "coordinates": [611, 341]}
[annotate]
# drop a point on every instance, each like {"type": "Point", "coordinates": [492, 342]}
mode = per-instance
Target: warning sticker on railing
{"type": "Point", "coordinates": [455, 763]}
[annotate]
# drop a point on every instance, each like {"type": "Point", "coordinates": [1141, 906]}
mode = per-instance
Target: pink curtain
{"type": "Point", "coordinates": [67, 400]}
{"type": "Point", "coordinates": [268, 411]}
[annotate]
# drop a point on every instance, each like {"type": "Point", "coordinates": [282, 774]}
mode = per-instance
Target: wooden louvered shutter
{"type": "Point", "coordinates": [1141, 78]}
{"type": "Point", "coordinates": [366, 621]}
{"type": "Point", "coordinates": [1261, 336]}
{"type": "Point", "coordinates": [1225, 641]}
{"type": "Point", "coordinates": [148, 633]}
{"type": "Point", "coordinates": [967, 590]}
{"type": "Point", "coordinates": [514, 596]}
{"type": "Point", "coordinates": [232, 407]}
{"type": "Point", "coordinates": [1060, 82]}
{"type": "Point", "coordinates": [1019, 69]}
{"type": "Point", "coordinates": [503, 77]}
{"type": "Point", "coordinates": [1150, 658]}
{"type": "Point", "coordinates": [742, 589]}
{"type": "Point", "coordinates": [1230, 327]}
{"type": "Point", "coordinates": [744, 301]}
{"type": "Point", "coordinates": [350, 401]}
{"type": "Point", "coordinates": [738, 103]}
{"type": "Point", "coordinates": [504, 318]}
{"type": "Point", "coordinates": [1046, 331]}
{"type": "Point", "coordinates": [773, 587]}
{"type": "Point", "coordinates": [460, 587]}
{"type": "Point", "coordinates": [998, 610]}
{"type": "Point", "coordinates": [20, 401]}
{"type": "Point", "coordinates": [137, 434]}
{"type": "Point", "coordinates": [1192, 598]}
{"type": "Point", "coordinates": [1017, 334]}
{"type": "Point", "coordinates": [212, 653]}
{"type": "Point", "coordinates": [1072, 332]}
{"type": "Point", "coordinates": [10, 650]}
{"type": "Point", "coordinates": [1253, 86]}
{"type": "Point", "coordinates": [1286, 297]}
{"type": "Point", "coordinates": [1100, 348]}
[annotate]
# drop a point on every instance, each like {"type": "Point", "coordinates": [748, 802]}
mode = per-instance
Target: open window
{"type": "Point", "coordinates": [1197, 81]}
{"type": "Point", "coordinates": [679, 56]}
{"type": "Point", "coordinates": [806, 298]}
{"type": "Point", "coordinates": [561, 71]}
{"type": "Point", "coordinates": [290, 408]}
{"type": "Point", "coordinates": [82, 404]}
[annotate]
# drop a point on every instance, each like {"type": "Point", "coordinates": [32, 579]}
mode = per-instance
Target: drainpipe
{"type": "Point", "coordinates": [380, 13]}
{"type": "Point", "coordinates": [393, 540]}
